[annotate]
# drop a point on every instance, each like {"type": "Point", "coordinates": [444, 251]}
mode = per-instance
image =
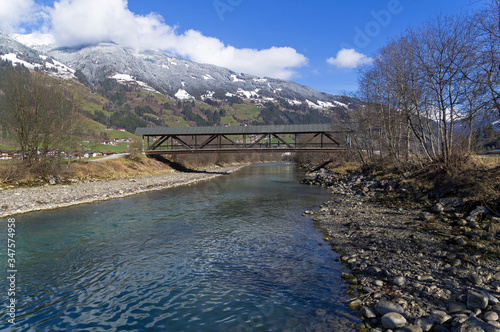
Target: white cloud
{"type": "Point", "coordinates": [349, 58]}
{"type": "Point", "coordinates": [77, 22]}
{"type": "Point", "coordinates": [15, 12]}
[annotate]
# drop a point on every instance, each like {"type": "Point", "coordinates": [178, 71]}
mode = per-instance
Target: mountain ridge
{"type": "Point", "coordinates": [154, 88]}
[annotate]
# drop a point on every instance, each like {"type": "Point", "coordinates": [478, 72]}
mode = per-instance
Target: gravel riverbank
{"type": "Point", "coordinates": [22, 200]}
{"type": "Point", "coordinates": [413, 269]}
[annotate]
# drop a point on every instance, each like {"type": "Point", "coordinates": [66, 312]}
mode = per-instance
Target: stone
{"type": "Point", "coordinates": [352, 280]}
{"type": "Point", "coordinates": [459, 319]}
{"type": "Point", "coordinates": [492, 300]}
{"type": "Point", "coordinates": [393, 320]}
{"type": "Point", "coordinates": [439, 317]}
{"type": "Point", "coordinates": [374, 270]}
{"type": "Point", "coordinates": [478, 212]}
{"type": "Point", "coordinates": [491, 315]}
{"type": "Point", "coordinates": [424, 323]}
{"type": "Point", "coordinates": [320, 313]}
{"type": "Point", "coordinates": [411, 328]}
{"type": "Point", "coordinates": [440, 328]}
{"type": "Point", "coordinates": [454, 307]}
{"type": "Point", "coordinates": [475, 279]}
{"type": "Point", "coordinates": [399, 281]}
{"type": "Point", "coordinates": [355, 305]}
{"type": "Point", "coordinates": [378, 283]}
{"type": "Point", "coordinates": [476, 300]}
{"type": "Point", "coordinates": [438, 208]}
{"type": "Point", "coordinates": [475, 325]}
{"type": "Point", "coordinates": [367, 312]}
{"type": "Point", "coordinates": [454, 201]}
{"type": "Point", "coordinates": [383, 307]}
{"type": "Point", "coordinates": [459, 240]}
{"type": "Point", "coordinates": [426, 216]}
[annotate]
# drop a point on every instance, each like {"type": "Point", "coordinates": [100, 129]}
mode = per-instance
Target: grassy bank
{"type": "Point", "coordinates": [475, 178]}
{"type": "Point", "coordinates": [17, 174]}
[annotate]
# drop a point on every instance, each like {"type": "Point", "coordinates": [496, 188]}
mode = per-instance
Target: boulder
{"type": "Point", "coordinates": [475, 325]}
{"type": "Point", "coordinates": [384, 307]}
{"type": "Point", "coordinates": [477, 300]}
{"type": "Point", "coordinates": [393, 320]}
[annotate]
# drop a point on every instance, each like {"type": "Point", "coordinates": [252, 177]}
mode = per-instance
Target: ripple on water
{"type": "Point", "coordinates": [235, 254]}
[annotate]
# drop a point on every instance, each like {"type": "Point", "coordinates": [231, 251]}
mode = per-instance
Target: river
{"type": "Point", "coordinates": [230, 254]}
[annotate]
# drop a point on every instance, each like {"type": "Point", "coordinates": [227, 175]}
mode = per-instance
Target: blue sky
{"type": "Point", "coordinates": [296, 40]}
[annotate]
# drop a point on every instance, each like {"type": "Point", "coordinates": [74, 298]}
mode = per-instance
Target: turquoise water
{"type": "Point", "coordinates": [231, 254]}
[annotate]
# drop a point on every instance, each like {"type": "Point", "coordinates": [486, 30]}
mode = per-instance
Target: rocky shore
{"type": "Point", "coordinates": [51, 196]}
{"type": "Point", "coordinates": [431, 268]}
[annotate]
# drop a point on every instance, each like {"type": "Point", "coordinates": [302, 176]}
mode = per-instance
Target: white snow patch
{"type": "Point", "coordinates": [260, 80]}
{"type": "Point", "coordinates": [312, 105]}
{"type": "Point", "coordinates": [208, 77]}
{"type": "Point", "coordinates": [248, 94]}
{"type": "Point", "coordinates": [63, 71]}
{"type": "Point", "coordinates": [236, 79]}
{"type": "Point", "coordinates": [187, 66]}
{"type": "Point", "coordinates": [183, 95]}
{"type": "Point", "coordinates": [12, 57]}
{"type": "Point", "coordinates": [165, 66]}
{"type": "Point", "coordinates": [325, 104]}
{"type": "Point", "coordinates": [183, 84]}
{"type": "Point", "coordinates": [209, 94]}
{"type": "Point", "coordinates": [294, 102]}
{"type": "Point", "coordinates": [269, 99]}
{"type": "Point", "coordinates": [126, 79]}
{"type": "Point", "coordinates": [229, 94]}
{"type": "Point", "coordinates": [338, 103]}
{"type": "Point", "coordinates": [43, 57]}
{"type": "Point", "coordinates": [172, 62]}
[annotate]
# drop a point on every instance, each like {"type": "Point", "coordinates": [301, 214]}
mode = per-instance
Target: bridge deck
{"type": "Point", "coordinates": [282, 138]}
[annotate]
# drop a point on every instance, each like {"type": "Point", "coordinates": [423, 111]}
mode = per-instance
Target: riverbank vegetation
{"type": "Point", "coordinates": [430, 106]}
{"type": "Point", "coordinates": [17, 173]}
{"type": "Point", "coordinates": [431, 95]}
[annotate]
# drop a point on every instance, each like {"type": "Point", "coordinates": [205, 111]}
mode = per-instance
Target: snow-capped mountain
{"type": "Point", "coordinates": [163, 72]}
{"type": "Point", "coordinates": [183, 78]}
{"type": "Point", "coordinates": [19, 54]}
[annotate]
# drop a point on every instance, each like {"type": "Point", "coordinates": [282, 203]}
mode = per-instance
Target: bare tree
{"type": "Point", "coordinates": [487, 23]}
{"type": "Point", "coordinates": [445, 51]}
{"type": "Point", "coordinates": [37, 111]}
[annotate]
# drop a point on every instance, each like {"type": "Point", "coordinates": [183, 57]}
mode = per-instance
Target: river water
{"type": "Point", "coordinates": [231, 254]}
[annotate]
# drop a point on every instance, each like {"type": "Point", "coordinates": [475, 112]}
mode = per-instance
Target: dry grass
{"type": "Point", "coordinates": [345, 168]}
{"type": "Point", "coordinates": [118, 168]}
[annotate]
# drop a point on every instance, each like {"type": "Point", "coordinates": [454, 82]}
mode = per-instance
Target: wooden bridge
{"type": "Point", "coordinates": [281, 138]}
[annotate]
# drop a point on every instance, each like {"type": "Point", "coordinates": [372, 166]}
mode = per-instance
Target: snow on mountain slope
{"type": "Point", "coordinates": [168, 73]}
{"type": "Point", "coordinates": [159, 71]}
{"type": "Point", "coordinates": [21, 55]}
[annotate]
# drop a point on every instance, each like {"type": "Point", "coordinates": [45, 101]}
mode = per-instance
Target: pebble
{"type": "Point", "coordinates": [440, 317]}
{"type": "Point", "coordinates": [437, 268]}
{"type": "Point", "coordinates": [367, 312]}
{"type": "Point", "coordinates": [393, 320]}
{"type": "Point", "coordinates": [383, 307]}
{"type": "Point", "coordinates": [454, 307]}
{"type": "Point", "coordinates": [476, 300]}
{"type": "Point", "coordinates": [424, 323]}
{"type": "Point", "coordinates": [399, 281]}
{"type": "Point", "coordinates": [320, 313]}
{"type": "Point", "coordinates": [491, 315]}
